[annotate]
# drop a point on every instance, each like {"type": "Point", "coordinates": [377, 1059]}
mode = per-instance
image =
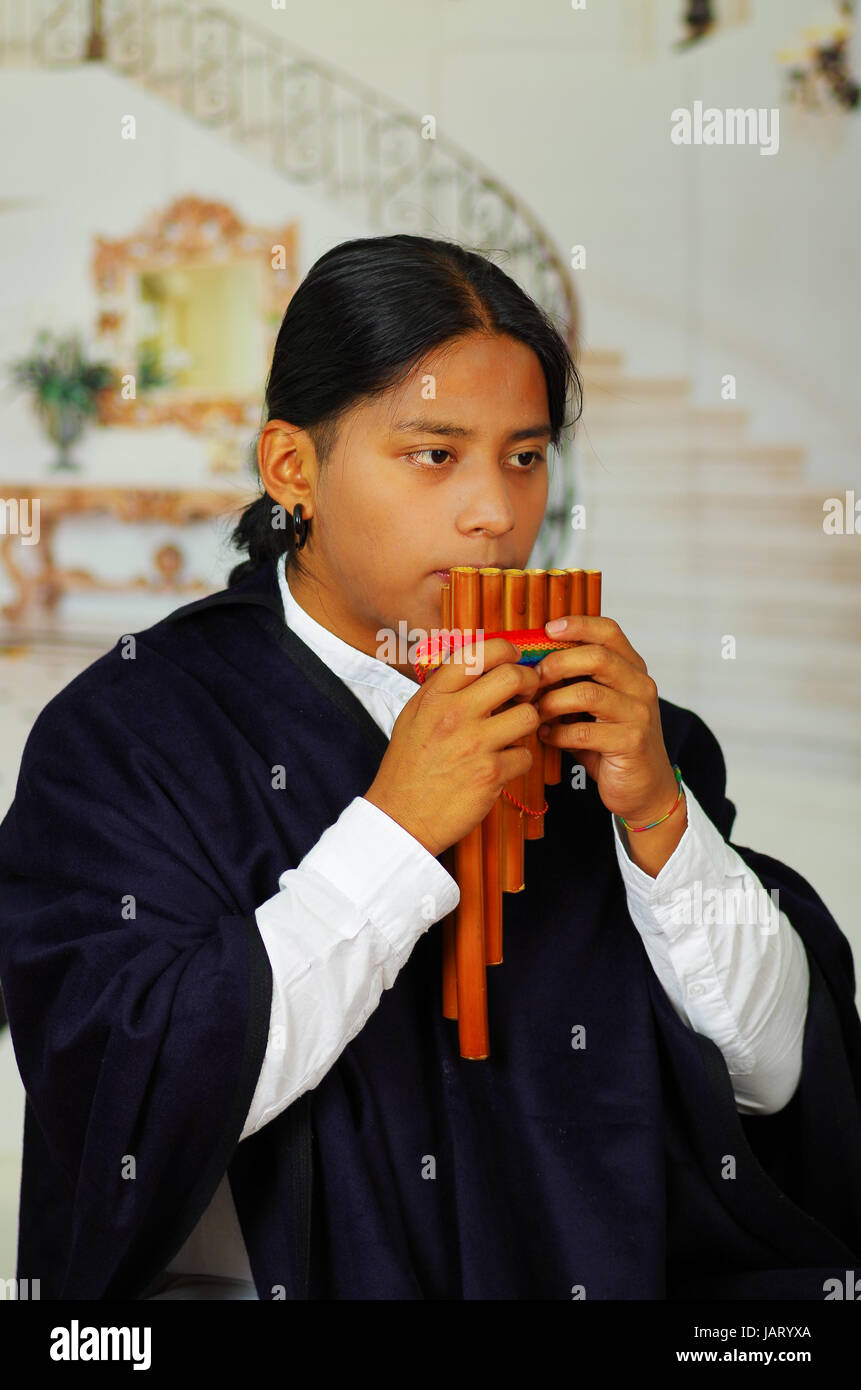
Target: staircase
{"type": "Point", "coordinates": [701, 533]}
{"type": "Point", "coordinates": [314, 124]}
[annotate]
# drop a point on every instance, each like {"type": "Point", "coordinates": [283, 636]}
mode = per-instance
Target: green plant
{"type": "Point", "coordinates": [64, 386]}
{"type": "Point", "coordinates": [151, 372]}
{"type": "Point", "coordinates": [56, 372]}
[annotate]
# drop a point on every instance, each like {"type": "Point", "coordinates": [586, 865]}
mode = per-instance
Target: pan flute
{"type": "Point", "coordinates": [489, 861]}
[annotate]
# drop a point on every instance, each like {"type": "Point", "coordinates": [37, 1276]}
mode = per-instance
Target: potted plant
{"type": "Point", "coordinates": [64, 386]}
{"type": "Point", "coordinates": [152, 365]}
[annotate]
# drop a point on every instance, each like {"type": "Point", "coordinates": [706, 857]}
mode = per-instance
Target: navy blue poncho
{"type": "Point", "coordinates": [596, 1170]}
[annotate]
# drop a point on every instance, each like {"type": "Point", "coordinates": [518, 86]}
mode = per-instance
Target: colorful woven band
{"type": "Point", "coordinates": [433, 651]}
{"type": "Point", "coordinates": [637, 828]}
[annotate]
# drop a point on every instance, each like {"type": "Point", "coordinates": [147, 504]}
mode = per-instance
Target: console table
{"type": "Point", "coordinates": [39, 589]}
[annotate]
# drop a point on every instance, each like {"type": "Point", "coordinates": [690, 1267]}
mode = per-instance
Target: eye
{"type": "Point", "coordinates": [416, 455]}
{"type": "Point", "coordinates": [533, 454]}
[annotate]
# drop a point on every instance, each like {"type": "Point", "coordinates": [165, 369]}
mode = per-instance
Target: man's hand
{"type": "Point", "coordinates": [623, 749]}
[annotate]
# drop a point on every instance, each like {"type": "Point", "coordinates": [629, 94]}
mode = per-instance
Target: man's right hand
{"type": "Point", "coordinates": [451, 753]}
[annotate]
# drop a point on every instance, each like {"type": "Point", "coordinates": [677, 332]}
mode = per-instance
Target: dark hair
{"type": "Point", "coordinates": [366, 313]}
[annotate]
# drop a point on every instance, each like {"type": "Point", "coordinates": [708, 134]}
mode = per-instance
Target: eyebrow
{"type": "Point", "coordinates": [459, 431]}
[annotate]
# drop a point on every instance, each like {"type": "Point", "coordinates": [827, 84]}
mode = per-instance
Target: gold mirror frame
{"type": "Point", "coordinates": [190, 232]}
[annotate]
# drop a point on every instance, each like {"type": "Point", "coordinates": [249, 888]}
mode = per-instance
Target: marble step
{"type": "Point", "coordinates": [765, 730]}
{"type": "Point", "coordinates": [600, 359]}
{"type": "Point", "coordinates": [645, 470]}
{"type": "Point", "coordinates": [773, 592]}
{"type": "Point", "coordinates": [675, 568]}
{"type": "Point", "coordinates": [790, 616]}
{"type": "Point", "coordinates": [767, 726]}
{"type": "Point", "coordinates": [738, 578]}
{"type": "Point", "coordinates": [660, 577]}
{"type": "Point", "coordinates": [722, 538]}
{"type": "Point", "coordinates": [662, 599]}
{"type": "Point", "coordinates": [740, 683]}
{"type": "Point", "coordinates": [809, 661]}
{"type": "Point", "coordinates": [782, 631]}
{"type": "Point", "coordinates": [759, 519]}
{"type": "Point", "coordinates": [683, 424]}
{"type": "Point", "coordinates": [609, 389]}
{"type": "Point", "coordinates": [829, 632]}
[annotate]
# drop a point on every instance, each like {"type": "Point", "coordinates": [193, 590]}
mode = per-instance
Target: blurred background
{"type": "Point", "coordinates": [168, 174]}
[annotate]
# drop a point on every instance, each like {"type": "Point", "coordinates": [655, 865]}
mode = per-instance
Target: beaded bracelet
{"type": "Point", "coordinates": [637, 828]}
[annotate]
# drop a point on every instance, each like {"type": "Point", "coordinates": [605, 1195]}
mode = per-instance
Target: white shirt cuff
{"type": "Point", "coordinates": [702, 855]}
{"type": "Point", "coordinates": [401, 887]}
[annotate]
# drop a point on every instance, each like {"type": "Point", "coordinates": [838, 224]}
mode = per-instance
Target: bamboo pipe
{"type": "Point", "coordinates": [536, 617]}
{"type": "Point", "coordinates": [449, 956]}
{"type": "Point", "coordinates": [558, 606]}
{"type": "Point", "coordinates": [466, 950]}
{"type": "Point", "coordinates": [490, 580]}
{"type": "Point", "coordinates": [593, 592]}
{"type": "Point", "coordinates": [449, 952]}
{"type": "Point", "coordinates": [585, 597]}
{"type": "Point", "coordinates": [472, 1021]}
{"type": "Point", "coordinates": [514, 615]}
{"type": "Point", "coordinates": [578, 590]}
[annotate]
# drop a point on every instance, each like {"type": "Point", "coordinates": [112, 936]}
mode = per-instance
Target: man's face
{"type": "Point", "coordinates": [448, 468]}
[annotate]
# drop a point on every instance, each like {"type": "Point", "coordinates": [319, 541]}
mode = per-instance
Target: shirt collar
{"type": "Point", "coordinates": [347, 662]}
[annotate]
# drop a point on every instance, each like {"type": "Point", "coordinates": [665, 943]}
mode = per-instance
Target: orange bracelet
{"type": "Point", "coordinates": [637, 828]}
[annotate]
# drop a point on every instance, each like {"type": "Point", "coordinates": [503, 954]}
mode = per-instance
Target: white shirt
{"type": "Point", "coordinates": [345, 920]}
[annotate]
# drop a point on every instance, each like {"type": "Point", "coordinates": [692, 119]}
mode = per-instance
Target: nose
{"type": "Point", "coordinates": [486, 505]}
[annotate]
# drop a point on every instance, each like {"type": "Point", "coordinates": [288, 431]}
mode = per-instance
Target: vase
{"type": "Point", "coordinates": [64, 422]}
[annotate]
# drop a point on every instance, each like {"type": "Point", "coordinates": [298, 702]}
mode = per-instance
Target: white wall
{"type": "Point", "coordinates": [701, 260]}
{"type": "Point", "coordinates": [78, 179]}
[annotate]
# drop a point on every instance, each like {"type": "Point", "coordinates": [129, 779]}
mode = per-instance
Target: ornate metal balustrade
{"type": "Point", "coordinates": [317, 126]}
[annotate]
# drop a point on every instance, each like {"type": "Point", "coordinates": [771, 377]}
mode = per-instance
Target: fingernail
{"type": "Point", "coordinates": [555, 625]}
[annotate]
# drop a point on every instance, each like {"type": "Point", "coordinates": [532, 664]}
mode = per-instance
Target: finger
{"type": "Point", "coordinates": [585, 627]}
{"type": "Point", "coordinates": [603, 737]}
{"type": "Point", "coordinates": [590, 759]}
{"type": "Point", "coordinates": [504, 728]}
{"type": "Point", "coordinates": [514, 762]}
{"type": "Point", "coordinates": [589, 697]}
{"type": "Point", "coordinates": [606, 666]}
{"type": "Point", "coordinates": [505, 685]}
{"type": "Point", "coordinates": [463, 664]}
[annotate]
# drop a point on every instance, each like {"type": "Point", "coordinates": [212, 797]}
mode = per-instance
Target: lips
{"type": "Point", "coordinates": [482, 564]}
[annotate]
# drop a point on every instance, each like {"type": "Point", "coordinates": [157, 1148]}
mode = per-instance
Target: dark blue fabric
{"type": "Point", "coordinates": [143, 1036]}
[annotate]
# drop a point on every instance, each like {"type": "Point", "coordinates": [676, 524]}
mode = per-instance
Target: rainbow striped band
{"type": "Point", "coordinates": [533, 643]}
{"type": "Point", "coordinates": [637, 828]}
